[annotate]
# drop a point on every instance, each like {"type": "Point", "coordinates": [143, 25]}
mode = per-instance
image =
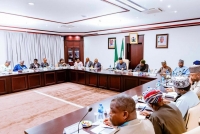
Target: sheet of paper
{"type": "Point", "coordinates": [140, 116]}
{"type": "Point", "coordinates": [101, 130]}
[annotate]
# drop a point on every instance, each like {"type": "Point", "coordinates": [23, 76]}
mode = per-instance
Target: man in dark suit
{"type": "Point", "coordinates": [35, 64]}
{"type": "Point", "coordinates": [96, 64]}
{"type": "Point", "coordinates": [88, 63]}
{"type": "Point", "coordinates": [44, 63]}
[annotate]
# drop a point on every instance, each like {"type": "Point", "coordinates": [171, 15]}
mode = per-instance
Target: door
{"type": "Point", "coordinates": [134, 52]}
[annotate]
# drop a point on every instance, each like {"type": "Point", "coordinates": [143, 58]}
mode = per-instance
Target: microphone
{"type": "Point", "coordinates": [89, 110]}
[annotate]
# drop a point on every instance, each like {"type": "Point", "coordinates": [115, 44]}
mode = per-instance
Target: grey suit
{"type": "Point", "coordinates": [89, 64]}
{"type": "Point", "coordinates": [97, 65]}
{"type": "Point", "coordinates": [120, 66]}
{"type": "Point", "coordinates": [44, 64]}
{"type": "Point", "coordinates": [32, 65]}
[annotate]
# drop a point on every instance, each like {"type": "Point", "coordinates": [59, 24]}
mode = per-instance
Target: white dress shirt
{"type": "Point", "coordinates": [4, 68]}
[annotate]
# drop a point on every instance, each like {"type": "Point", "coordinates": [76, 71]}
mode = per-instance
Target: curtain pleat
{"type": "Point", "coordinates": [27, 46]}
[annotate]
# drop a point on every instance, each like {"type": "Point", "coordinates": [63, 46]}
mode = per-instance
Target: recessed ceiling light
{"type": "Point", "coordinates": [169, 6]}
{"type": "Point", "coordinates": [31, 4]}
{"type": "Point", "coordinates": [161, 0]}
{"type": "Point", "coordinates": [175, 11]}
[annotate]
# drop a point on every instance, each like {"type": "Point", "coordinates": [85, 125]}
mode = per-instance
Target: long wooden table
{"type": "Point", "coordinates": [111, 80]}
{"type": "Point", "coordinates": [116, 81]}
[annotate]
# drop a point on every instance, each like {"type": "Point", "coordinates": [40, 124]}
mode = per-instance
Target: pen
{"type": "Point", "coordinates": [143, 109]}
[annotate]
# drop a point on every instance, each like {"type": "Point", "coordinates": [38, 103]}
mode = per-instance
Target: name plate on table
{"type": "Point", "coordinates": [135, 73]}
{"type": "Point", "coordinates": [152, 75]}
{"type": "Point", "coordinates": [73, 129]}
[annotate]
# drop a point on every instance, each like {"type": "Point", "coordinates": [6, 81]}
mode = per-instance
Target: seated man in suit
{"type": "Point", "coordinates": [121, 65]}
{"type": "Point", "coordinates": [164, 69]}
{"type": "Point", "coordinates": [5, 67]}
{"type": "Point", "coordinates": [35, 64]}
{"type": "Point", "coordinates": [142, 67]}
{"type": "Point", "coordinates": [20, 66]}
{"type": "Point", "coordinates": [166, 118]}
{"type": "Point", "coordinates": [88, 63]}
{"type": "Point", "coordinates": [96, 64]}
{"type": "Point", "coordinates": [61, 63]}
{"type": "Point", "coordinates": [123, 116]}
{"type": "Point", "coordinates": [186, 98]}
{"type": "Point", "coordinates": [44, 63]}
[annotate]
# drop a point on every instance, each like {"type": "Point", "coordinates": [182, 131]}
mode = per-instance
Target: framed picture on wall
{"type": "Point", "coordinates": [162, 41]}
{"type": "Point", "coordinates": [111, 43]}
{"type": "Point", "coordinates": [133, 38]}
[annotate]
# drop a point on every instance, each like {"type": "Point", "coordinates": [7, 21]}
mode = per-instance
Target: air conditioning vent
{"type": "Point", "coordinates": [152, 11]}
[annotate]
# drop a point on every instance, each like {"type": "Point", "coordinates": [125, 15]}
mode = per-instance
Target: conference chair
{"type": "Point", "coordinates": [192, 119]}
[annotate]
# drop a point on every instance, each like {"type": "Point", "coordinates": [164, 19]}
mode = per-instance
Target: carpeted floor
{"type": "Point", "coordinates": [22, 110]}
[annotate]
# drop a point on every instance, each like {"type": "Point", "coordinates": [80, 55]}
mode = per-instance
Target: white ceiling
{"type": "Point", "coordinates": [89, 15]}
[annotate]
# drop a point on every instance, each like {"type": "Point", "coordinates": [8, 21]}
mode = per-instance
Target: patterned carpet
{"type": "Point", "coordinates": [26, 109]}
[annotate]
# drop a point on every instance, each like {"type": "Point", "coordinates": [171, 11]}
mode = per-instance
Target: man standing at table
{"type": "Point", "coordinates": [20, 66]}
{"type": "Point", "coordinates": [195, 79]}
{"type": "Point", "coordinates": [44, 63]}
{"type": "Point", "coordinates": [164, 69]}
{"type": "Point", "coordinates": [123, 116]}
{"type": "Point", "coordinates": [142, 67]}
{"type": "Point", "coordinates": [181, 69]}
{"type": "Point", "coordinates": [5, 67]}
{"type": "Point", "coordinates": [96, 64]}
{"type": "Point", "coordinates": [121, 65]}
{"type": "Point", "coordinates": [166, 118]}
{"type": "Point", "coordinates": [88, 63]}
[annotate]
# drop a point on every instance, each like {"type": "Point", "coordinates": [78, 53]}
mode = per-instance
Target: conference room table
{"type": "Point", "coordinates": [112, 80]}
{"type": "Point", "coordinates": [56, 126]}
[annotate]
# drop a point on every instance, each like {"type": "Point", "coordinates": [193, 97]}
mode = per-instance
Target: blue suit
{"type": "Point", "coordinates": [19, 67]}
{"type": "Point", "coordinates": [120, 66]}
{"type": "Point", "coordinates": [182, 71]}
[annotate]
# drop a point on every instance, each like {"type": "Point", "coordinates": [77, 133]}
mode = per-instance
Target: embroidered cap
{"type": "Point", "coordinates": [152, 96]}
{"type": "Point", "coordinates": [194, 69]}
{"type": "Point", "coordinates": [180, 82]}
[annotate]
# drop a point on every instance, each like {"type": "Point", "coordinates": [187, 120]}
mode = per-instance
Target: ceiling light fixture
{"type": "Point", "coordinates": [132, 5]}
{"type": "Point", "coordinates": [175, 11]}
{"type": "Point", "coordinates": [31, 4]}
{"type": "Point", "coordinates": [169, 6]}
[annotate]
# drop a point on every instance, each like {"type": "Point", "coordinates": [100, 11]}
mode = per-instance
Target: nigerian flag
{"type": "Point", "coordinates": [122, 49]}
{"type": "Point", "coordinates": [115, 54]}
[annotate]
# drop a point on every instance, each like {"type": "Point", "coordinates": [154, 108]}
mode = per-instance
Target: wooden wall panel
{"type": "Point", "coordinates": [91, 79]}
{"type": "Point", "coordinates": [49, 78]}
{"type": "Point", "coordinates": [19, 83]}
{"type": "Point", "coordinates": [34, 80]}
{"type": "Point", "coordinates": [114, 83]}
{"type": "Point", "coordinates": [102, 81]}
{"type": "Point", "coordinates": [61, 76]}
{"type": "Point", "coordinates": [3, 87]}
{"type": "Point", "coordinates": [73, 76]}
{"type": "Point", "coordinates": [130, 82]}
{"type": "Point", "coordinates": [81, 77]}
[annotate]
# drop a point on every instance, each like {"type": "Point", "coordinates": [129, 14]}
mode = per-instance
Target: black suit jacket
{"type": "Point", "coordinates": [32, 65]}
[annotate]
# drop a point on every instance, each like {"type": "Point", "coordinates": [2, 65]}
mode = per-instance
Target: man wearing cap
{"type": "Point", "coordinates": [164, 69]}
{"type": "Point", "coordinates": [186, 98]}
{"type": "Point", "coordinates": [142, 67]}
{"type": "Point", "coordinates": [20, 66]}
{"type": "Point", "coordinates": [195, 79]}
{"type": "Point", "coordinates": [123, 116]}
{"type": "Point", "coordinates": [181, 70]}
{"type": "Point", "coordinates": [166, 118]}
{"type": "Point", "coordinates": [121, 65]}
{"type": "Point", "coordinates": [5, 67]}
{"type": "Point", "coordinates": [197, 62]}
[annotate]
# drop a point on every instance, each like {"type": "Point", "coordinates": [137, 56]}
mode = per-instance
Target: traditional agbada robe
{"type": "Point", "coordinates": [181, 71]}
{"type": "Point", "coordinates": [167, 120]}
{"type": "Point", "coordinates": [136, 126]}
{"type": "Point", "coordinates": [163, 70]}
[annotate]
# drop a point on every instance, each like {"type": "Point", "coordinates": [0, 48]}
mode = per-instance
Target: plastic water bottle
{"type": "Point", "coordinates": [100, 112]}
{"type": "Point", "coordinates": [110, 66]}
{"type": "Point", "coordinates": [148, 88]}
{"type": "Point", "coordinates": [158, 85]}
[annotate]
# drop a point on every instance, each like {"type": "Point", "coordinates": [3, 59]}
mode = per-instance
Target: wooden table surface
{"type": "Point", "coordinates": [56, 126]}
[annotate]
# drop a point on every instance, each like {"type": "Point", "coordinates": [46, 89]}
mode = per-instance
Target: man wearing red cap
{"type": "Point", "coordinates": [166, 118]}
